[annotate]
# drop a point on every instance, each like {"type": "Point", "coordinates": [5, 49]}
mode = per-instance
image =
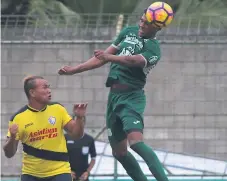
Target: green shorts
{"type": "Point", "coordinates": [124, 114]}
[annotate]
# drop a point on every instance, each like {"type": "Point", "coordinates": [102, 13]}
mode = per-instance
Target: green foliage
{"type": "Point", "coordinates": [70, 12]}
{"type": "Point", "coordinates": [52, 12]}
{"type": "Point", "coordinates": [213, 12]}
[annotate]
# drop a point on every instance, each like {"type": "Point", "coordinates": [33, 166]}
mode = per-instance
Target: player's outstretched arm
{"type": "Point", "coordinates": [75, 127]}
{"type": "Point", "coordinates": [11, 144]}
{"type": "Point", "coordinates": [90, 64]}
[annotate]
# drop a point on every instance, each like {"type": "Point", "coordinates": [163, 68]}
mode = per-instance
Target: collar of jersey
{"type": "Point", "coordinates": [35, 110]}
{"type": "Point", "coordinates": [155, 38]}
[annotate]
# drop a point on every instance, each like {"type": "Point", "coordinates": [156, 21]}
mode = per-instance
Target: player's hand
{"type": "Point", "coordinates": [80, 109]}
{"type": "Point", "coordinates": [84, 176]}
{"type": "Point", "coordinates": [66, 70]}
{"type": "Point", "coordinates": [101, 55]}
{"type": "Point", "coordinates": [73, 174]}
{"type": "Point", "coordinates": [13, 129]}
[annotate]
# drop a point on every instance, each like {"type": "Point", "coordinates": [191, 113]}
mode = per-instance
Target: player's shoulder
{"type": "Point", "coordinates": [55, 104]}
{"type": "Point", "coordinates": [152, 44]}
{"type": "Point", "coordinates": [136, 28]}
{"type": "Point", "coordinates": [88, 137]}
{"type": "Point", "coordinates": [56, 108]}
{"type": "Point", "coordinates": [152, 41]}
{"type": "Point", "coordinates": [20, 112]}
{"type": "Point", "coordinates": [130, 29]}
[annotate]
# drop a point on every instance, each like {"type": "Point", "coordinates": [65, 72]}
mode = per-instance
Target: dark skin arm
{"type": "Point", "coordinates": [90, 64]}
{"type": "Point", "coordinates": [86, 174]}
{"type": "Point", "coordinates": [130, 61]}
{"type": "Point", "coordinates": [91, 165]}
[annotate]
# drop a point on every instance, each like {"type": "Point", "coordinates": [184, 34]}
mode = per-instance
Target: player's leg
{"type": "Point", "coordinates": [136, 143]}
{"type": "Point", "coordinates": [131, 115]}
{"type": "Point", "coordinates": [118, 142]}
{"type": "Point", "coordinates": [60, 177]}
{"type": "Point", "coordinates": [26, 177]}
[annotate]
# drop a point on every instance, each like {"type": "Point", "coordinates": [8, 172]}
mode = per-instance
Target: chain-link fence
{"type": "Point", "coordinates": [95, 27]}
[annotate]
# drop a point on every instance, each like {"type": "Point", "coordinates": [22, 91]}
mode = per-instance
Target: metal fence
{"type": "Point", "coordinates": [96, 27]}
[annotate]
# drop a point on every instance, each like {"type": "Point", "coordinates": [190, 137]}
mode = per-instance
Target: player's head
{"type": "Point", "coordinates": [146, 29]}
{"type": "Point", "coordinates": [37, 88]}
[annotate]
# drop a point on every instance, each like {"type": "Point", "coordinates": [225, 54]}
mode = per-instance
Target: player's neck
{"type": "Point", "coordinates": [152, 36]}
{"type": "Point", "coordinates": [35, 105]}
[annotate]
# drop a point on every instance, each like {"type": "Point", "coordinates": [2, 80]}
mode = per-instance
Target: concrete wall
{"type": "Point", "coordinates": [186, 99]}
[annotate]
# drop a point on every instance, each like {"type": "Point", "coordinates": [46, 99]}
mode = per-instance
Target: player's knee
{"type": "Point", "coordinates": [119, 153]}
{"type": "Point", "coordinates": [135, 137]}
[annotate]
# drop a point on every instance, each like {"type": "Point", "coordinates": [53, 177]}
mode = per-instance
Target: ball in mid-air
{"type": "Point", "coordinates": [160, 14]}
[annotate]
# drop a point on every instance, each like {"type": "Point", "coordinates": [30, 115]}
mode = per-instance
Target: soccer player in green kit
{"type": "Point", "coordinates": [132, 55]}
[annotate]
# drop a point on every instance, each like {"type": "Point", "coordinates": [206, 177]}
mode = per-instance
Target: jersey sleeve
{"type": "Point", "coordinates": [65, 116]}
{"type": "Point", "coordinates": [119, 38]}
{"type": "Point", "coordinates": [92, 149]}
{"type": "Point", "coordinates": [14, 120]}
{"type": "Point", "coordinates": [151, 54]}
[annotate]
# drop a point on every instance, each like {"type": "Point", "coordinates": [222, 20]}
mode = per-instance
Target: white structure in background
{"type": "Point", "coordinates": [176, 164]}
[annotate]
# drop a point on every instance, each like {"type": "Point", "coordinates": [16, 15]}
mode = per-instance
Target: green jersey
{"type": "Point", "coordinates": [129, 43]}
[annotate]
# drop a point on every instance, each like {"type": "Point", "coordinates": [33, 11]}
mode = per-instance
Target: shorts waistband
{"type": "Point", "coordinates": [121, 88]}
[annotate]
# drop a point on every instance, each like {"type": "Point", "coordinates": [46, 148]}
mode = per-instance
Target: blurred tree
{"type": "Point", "coordinates": [212, 11]}
{"type": "Point", "coordinates": [101, 8]}
{"type": "Point", "coordinates": [105, 6]}
{"type": "Point", "coordinates": [69, 11]}
{"type": "Point", "coordinates": [53, 11]}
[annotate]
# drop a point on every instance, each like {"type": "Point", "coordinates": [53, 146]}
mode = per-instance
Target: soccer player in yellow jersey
{"type": "Point", "coordinates": [39, 126]}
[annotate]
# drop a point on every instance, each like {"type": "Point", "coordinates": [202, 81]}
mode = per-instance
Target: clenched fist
{"type": "Point", "coordinates": [102, 55]}
{"type": "Point", "coordinates": [13, 129]}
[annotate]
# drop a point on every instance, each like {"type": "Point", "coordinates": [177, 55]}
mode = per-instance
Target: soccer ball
{"type": "Point", "coordinates": [160, 14]}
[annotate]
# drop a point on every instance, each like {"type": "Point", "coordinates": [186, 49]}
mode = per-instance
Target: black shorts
{"type": "Point", "coordinates": [60, 177]}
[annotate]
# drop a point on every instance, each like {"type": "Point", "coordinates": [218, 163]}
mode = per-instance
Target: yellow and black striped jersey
{"type": "Point", "coordinates": [42, 136]}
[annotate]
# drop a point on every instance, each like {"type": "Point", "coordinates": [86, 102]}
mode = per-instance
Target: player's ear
{"type": "Point", "coordinates": [32, 93]}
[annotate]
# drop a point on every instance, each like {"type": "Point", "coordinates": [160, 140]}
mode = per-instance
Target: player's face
{"type": "Point", "coordinates": [42, 91]}
{"type": "Point", "coordinates": [146, 30]}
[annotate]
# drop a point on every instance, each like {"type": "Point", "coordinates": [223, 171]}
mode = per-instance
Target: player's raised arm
{"type": "Point", "coordinates": [11, 144]}
{"type": "Point", "coordinates": [147, 58]}
{"type": "Point", "coordinates": [75, 127]}
{"type": "Point", "coordinates": [90, 64]}
{"type": "Point", "coordinates": [130, 61]}
{"type": "Point", "coordinates": [94, 62]}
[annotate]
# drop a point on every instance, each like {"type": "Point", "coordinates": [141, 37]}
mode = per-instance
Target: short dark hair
{"type": "Point", "coordinates": [29, 83]}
